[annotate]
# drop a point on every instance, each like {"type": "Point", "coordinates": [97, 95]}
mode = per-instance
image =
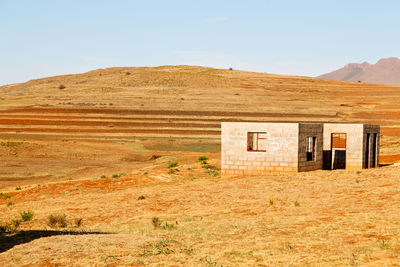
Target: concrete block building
{"type": "Point", "coordinates": [263, 148]}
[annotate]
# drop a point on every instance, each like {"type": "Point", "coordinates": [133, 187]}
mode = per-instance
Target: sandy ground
{"type": "Point", "coordinates": [342, 218]}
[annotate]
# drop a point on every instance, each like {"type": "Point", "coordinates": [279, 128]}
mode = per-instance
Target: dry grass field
{"type": "Point", "coordinates": [96, 147]}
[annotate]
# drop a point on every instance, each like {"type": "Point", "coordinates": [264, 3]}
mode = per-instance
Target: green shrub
{"type": "Point", "coordinates": [18, 188]}
{"type": "Point", "coordinates": [202, 159]}
{"type": "Point", "coordinates": [10, 226]}
{"type": "Point", "coordinates": [26, 215]}
{"type": "Point", "coordinates": [297, 203]}
{"type": "Point", "coordinates": [117, 175]}
{"type": "Point", "coordinates": [59, 220]}
{"type": "Point", "coordinates": [10, 204]}
{"type": "Point", "coordinates": [173, 165]}
{"type": "Point", "coordinates": [6, 195]}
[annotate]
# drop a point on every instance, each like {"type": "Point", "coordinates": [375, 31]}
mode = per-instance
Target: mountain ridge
{"type": "Point", "coordinates": [384, 71]}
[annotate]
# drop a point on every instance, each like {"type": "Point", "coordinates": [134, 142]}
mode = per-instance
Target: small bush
{"type": "Point", "coordinates": [26, 215]}
{"type": "Point", "coordinates": [127, 73]}
{"type": "Point", "coordinates": [10, 204]}
{"type": "Point", "coordinates": [18, 188]}
{"type": "Point", "coordinates": [145, 173]}
{"type": "Point", "coordinates": [173, 165]}
{"type": "Point", "coordinates": [10, 226]}
{"type": "Point", "coordinates": [103, 177]}
{"type": "Point", "coordinates": [78, 222]}
{"type": "Point", "coordinates": [115, 176]}
{"type": "Point", "coordinates": [297, 203]}
{"type": "Point", "coordinates": [61, 86]}
{"type": "Point", "coordinates": [6, 195]}
{"type": "Point", "coordinates": [202, 158]}
{"type": "Point", "coordinates": [141, 198]}
{"type": "Point", "coordinates": [59, 220]}
{"type": "Point", "coordinates": [156, 222]}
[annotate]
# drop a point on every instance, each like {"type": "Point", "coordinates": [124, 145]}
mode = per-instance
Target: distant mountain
{"type": "Point", "coordinates": [385, 71]}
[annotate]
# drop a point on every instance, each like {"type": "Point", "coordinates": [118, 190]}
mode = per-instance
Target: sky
{"type": "Point", "coordinates": [44, 38]}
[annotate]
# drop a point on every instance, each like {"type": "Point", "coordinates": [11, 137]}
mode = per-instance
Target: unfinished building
{"type": "Point", "coordinates": [266, 147]}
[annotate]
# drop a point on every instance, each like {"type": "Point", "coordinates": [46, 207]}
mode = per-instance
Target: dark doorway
{"type": "Point", "coordinates": [374, 150]}
{"type": "Point", "coordinates": [338, 150]}
{"type": "Point", "coordinates": [367, 151]}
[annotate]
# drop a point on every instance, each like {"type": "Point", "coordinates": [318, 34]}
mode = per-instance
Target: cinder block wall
{"type": "Point", "coordinates": [281, 148]}
{"type": "Point", "coordinates": [305, 130]}
{"type": "Point", "coordinates": [369, 128]}
{"type": "Point", "coordinates": [354, 142]}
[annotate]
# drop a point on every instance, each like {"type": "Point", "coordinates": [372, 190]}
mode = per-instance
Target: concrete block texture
{"type": "Point", "coordinates": [280, 143]}
{"type": "Point", "coordinates": [285, 147]}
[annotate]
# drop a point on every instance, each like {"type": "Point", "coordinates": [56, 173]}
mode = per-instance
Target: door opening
{"type": "Point", "coordinates": [338, 150]}
{"type": "Point", "coordinates": [367, 154]}
{"type": "Point", "coordinates": [374, 150]}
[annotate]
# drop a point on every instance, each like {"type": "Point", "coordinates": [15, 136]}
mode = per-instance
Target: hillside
{"type": "Point", "coordinates": [97, 152]}
{"type": "Point", "coordinates": [175, 100]}
{"type": "Point", "coordinates": [385, 71]}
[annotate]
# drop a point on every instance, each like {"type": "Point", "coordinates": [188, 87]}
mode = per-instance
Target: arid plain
{"type": "Point", "coordinates": [96, 147]}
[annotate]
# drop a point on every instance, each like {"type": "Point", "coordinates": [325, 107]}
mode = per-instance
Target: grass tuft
{"type": "Point", "coordinates": [26, 215]}
{"type": "Point", "coordinates": [58, 220]}
{"type": "Point", "coordinates": [156, 222]}
{"type": "Point", "coordinates": [160, 247]}
{"type": "Point", "coordinates": [271, 200]}
{"type": "Point", "coordinates": [78, 222]}
{"type": "Point", "coordinates": [11, 226]}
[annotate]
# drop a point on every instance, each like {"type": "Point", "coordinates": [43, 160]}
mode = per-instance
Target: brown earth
{"type": "Point", "coordinates": [130, 123]}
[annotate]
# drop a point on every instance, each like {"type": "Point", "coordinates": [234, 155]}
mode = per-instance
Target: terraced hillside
{"type": "Point", "coordinates": [186, 102]}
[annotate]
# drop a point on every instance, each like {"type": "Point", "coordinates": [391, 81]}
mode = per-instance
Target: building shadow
{"type": "Point", "coordinates": [385, 165]}
{"type": "Point", "coordinates": [10, 239]}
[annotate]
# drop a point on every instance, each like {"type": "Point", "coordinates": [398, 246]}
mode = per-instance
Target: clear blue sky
{"type": "Point", "coordinates": [40, 38]}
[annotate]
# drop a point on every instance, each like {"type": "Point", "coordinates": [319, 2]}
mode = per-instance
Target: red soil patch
{"type": "Point", "coordinates": [162, 112]}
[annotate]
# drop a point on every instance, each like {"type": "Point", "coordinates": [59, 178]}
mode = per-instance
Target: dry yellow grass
{"type": "Point", "coordinates": [344, 218]}
{"type": "Point", "coordinates": [57, 143]}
